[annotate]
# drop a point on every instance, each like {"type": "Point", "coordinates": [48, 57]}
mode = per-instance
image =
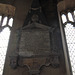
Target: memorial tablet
{"type": "Point", "coordinates": [34, 41]}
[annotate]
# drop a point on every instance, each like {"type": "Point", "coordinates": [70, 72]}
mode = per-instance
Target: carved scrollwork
{"type": "Point", "coordinates": [34, 64]}
{"type": "Point", "coordinates": [14, 62]}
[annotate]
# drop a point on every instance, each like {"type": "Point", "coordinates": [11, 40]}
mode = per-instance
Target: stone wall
{"type": "Point", "coordinates": [22, 7]}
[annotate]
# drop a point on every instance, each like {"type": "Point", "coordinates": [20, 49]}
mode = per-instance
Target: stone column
{"type": "Point", "coordinates": [62, 6]}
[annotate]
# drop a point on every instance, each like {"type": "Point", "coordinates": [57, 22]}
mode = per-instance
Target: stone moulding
{"type": "Point", "coordinates": [35, 63]}
{"type": "Point", "coordinates": [7, 9]}
{"type": "Point", "coordinates": [65, 5]}
{"type": "Point", "coordinates": [33, 50]}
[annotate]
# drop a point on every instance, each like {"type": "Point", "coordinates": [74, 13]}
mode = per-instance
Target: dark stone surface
{"type": "Point", "coordinates": [34, 42]}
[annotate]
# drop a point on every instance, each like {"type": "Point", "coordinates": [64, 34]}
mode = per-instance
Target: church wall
{"type": "Point", "coordinates": [22, 7]}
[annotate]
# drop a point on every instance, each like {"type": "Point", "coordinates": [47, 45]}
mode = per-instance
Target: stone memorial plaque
{"type": "Point", "coordinates": [34, 40]}
{"type": "Point", "coordinates": [34, 43]}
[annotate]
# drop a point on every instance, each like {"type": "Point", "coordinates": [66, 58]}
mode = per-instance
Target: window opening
{"type": "Point", "coordinates": [4, 40]}
{"type": "Point", "coordinates": [70, 39]}
{"type": "Point", "coordinates": [0, 18]}
{"type": "Point", "coordinates": [74, 12]}
{"type": "Point", "coordinates": [70, 17]}
{"type": "Point", "coordinates": [4, 21]}
{"type": "Point", "coordinates": [10, 23]}
{"type": "Point", "coordinates": [74, 15]}
{"type": "Point", "coordinates": [64, 19]}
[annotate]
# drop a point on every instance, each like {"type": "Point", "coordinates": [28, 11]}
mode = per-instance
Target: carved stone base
{"type": "Point", "coordinates": [35, 63]}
